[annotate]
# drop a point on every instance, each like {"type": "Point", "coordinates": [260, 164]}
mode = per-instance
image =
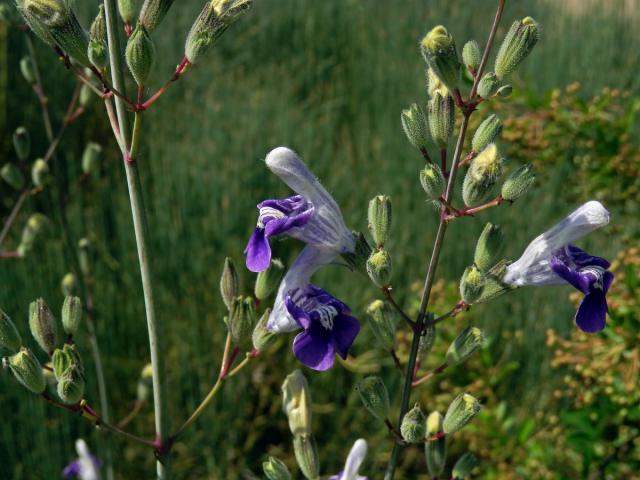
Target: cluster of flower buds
{"type": "Point", "coordinates": [69, 373]}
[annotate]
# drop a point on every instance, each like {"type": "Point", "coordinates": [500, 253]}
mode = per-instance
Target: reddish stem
{"type": "Point", "coordinates": [470, 211]}
{"type": "Point", "coordinates": [180, 69]}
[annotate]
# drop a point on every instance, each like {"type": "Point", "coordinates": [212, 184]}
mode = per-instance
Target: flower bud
{"type": "Point", "coordinates": [382, 321]}
{"type": "Point", "coordinates": [86, 95]}
{"type": "Point", "coordinates": [460, 412]}
{"type": "Point", "coordinates": [214, 19]}
{"type": "Point", "coordinates": [43, 325]}
{"type": "Point", "coordinates": [84, 255]}
{"type": "Point", "coordinates": [229, 283]}
{"type": "Point", "coordinates": [464, 466]}
{"type": "Point", "coordinates": [140, 53]}
{"type": "Point", "coordinates": [489, 247]}
{"type": "Point", "coordinates": [413, 427]}
{"type": "Point", "coordinates": [91, 158]}
{"type": "Point", "coordinates": [427, 339]}
{"type": "Point", "coordinates": [436, 450]}
{"type": "Point", "coordinates": [439, 51]}
{"type": "Point", "coordinates": [486, 133]}
{"type": "Point", "coordinates": [442, 118]}
{"type": "Point", "coordinates": [379, 268]}
{"type": "Point", "coordinates": [275, 469]}
{"type": "Point", "coordinates": [379, 215]}
{"type": "Point", "coordinates": [268, 280]}
{"type": "Point", "coordinates": [518, 43]}
{"type": "Point", "coordinates": [22, 143]}
{"type": "Point", "coordinates": [27, 370]}
{"type": "Point", "coordinates": [471, 284]}
{"type": "Point", "coordinates": [9, 337]}
{"type": "Point", "coordinates": [414, 123]}
{"type": "Point", "coordinates": [374, 396]}
{"type": "Point", "coordinates": [471, 55]}
{"type": "Point", "coordinates": [518, 182]}
{"type": "Point", "coordinates": [488, 85]}
{"type": "Point", "coordinates": [153, 12]}
{"type": "Point", "coordinates": [482, 176]}
{"type": "Point", "coordinates": [358, 259]}
{"type": "Point", "coordinates": [306, 451]}
{"type": "Point", "coordinates": [12, 175]}
{"type": "Point", "coordinates": [143, 389]}
{"type": "Point", "coordinates": [435, 85]}
{"type": "Point", "coordinates": [28, 71]}
{"type": "Point", "coordinates": [40, 174]}
{"type": "Point", "coordinates": [127, 10]}
{"type": "Point", "coordinates": [470, 340]}
{"type": "Point", "coordinates": [71, 315]}
{"type": "Point", "coordinates": [35, 225]}
{"type": "Point", "coordinates": [261, 337]}
{"type": "Point", "coordinates": [71, 387]}
{"type": "Point", "coordinates": [242, 319]}
{"type": "Point", "coordinates": [68, 284]}
{"type": "Point", "coordinates": [65, 359]}
{"type": "Point", "coordinates": [504, 91]}
{"type": "Point", "coordinates": [296, 403]}
{"type": "Point", "coordinates": [97, 51]}
{"type": "Point", "coordinates": [432, 181]}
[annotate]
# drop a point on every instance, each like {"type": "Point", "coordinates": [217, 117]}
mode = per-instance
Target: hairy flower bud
{"type": "Point", "coordinates": [22, 143]}
{"type": "Point", "coordinates": [469, 341]}
{"type": "Point", "coordinates": [12, 175]}
{"type": "Point", "coordinates": [464, 466]}
{"type": "Point", "coordinates": [140, 54]}
{"type": "Point", "coordinates": [413, 427]}
{"type": "Point", "coordinates": [358, 259]}
{"type": "Point", "coordinates": [229, 283]}
{"type": "Point", "coordinates": [28, 71]}
{"type": "Point", "coordinates": [489, 247]}
{"type": "Point", "coordinates": [471, 285]}
{"type": "Point", "coordinates": [442, 118]}
{"type": "Point", "coordinates": [379, 268]}
{"type": "Point", "coordinates": [432, 181]}
{"type": "Point", "coordinates": [374, 396]}
{"type": "Point", "coordinates": [482, 176]}
{"type": "Point", "coordinates": [68, 284]}
{"type": "Point", "coordinates": [43, 325]}
{"type": "Point", "coordinates": [471, 55]}
{"type": "Point", "coordinates": [27, 370]}
{"type": "Point", "coordinates": [9, 337]}
{"type": "Point", "coordinates": [518, 43]}
{"type": "Point", "coordinates": [296, 403]}
{"type": "Point", "coordinates": [268, 280]}
{"type": "Point", "coordinates": [66, 358]}
{"type": "Point", "coordinates": [382, 320]}
{"type": "Point", "coordinates": [97, 50]}
{"type": "Point", "coordinates": [486, 133]}
{"type": "Point", "coordinates": [275, 469]}
{"type": "Point", "coordinates": [71, 387]}
{"type": "Point", "coordinates": [439, 51]}
{"type": "Point", "coordinates": [71, 314]}
{"type": "Point", "coordinates": [152, 13]}
{"type": "Point", "coordinates": [435, 85]}
{"type": "Point", "coordinates": [460, 412]}
{"type": "Point", "coordinates": [91, 158]}
{"type": "Point", "coordinates": [504, 91]}
{"type": "Point", "coordinates": [127, 10]}
{"type": "Point", "coordinates": [436, 450]}
{"type": "Point", "coordinates": [306, 451]}
{"type": "Point", "coordinates": [261, 337]}
{"type": "Point", "coordinates": [414, 124]}
{"type": "Point", "coordinates": [379, 215]}
{"type": "Point", "coordinates": [35, 225]}
{"type": "Point", "coordinates": [242, 319]}
{"type": "Point", "coordinates": [518, 182]}
{"type": "Point", "coordinates": [488, 85]}
{"type": "Point", "coordinates": [427, 339]}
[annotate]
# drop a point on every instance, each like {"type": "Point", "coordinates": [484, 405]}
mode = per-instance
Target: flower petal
{"type": "Point", "coordinates": [345, 331]}
{"type": "Point", "coordinates": [607, 280]}
{"type": "Point", "coordinates": [575, 278]}
{"type": "Point", "coordinates": [583, 259]}
{"type": "Point", "coordinates": [298, 314]}
{"type": "Point", "coordinates": [354, 460]}
{"type": "Point", "coordinates": [314, 349]}
{"type": "Point", "coordinates": [592, 313]}
{"type": "Point", "coordinates": [258, 251]}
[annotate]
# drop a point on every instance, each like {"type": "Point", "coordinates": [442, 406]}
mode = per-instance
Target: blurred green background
{"type": "Point", "coordinates": [329, 79]}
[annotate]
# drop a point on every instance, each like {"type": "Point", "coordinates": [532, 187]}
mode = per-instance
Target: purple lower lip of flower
{"type": "Point", "coordinates": [328, 327]}
{"type": "Point", "coordinates": [276, 217]}
{"type": "Point", "coordinates": [74, 468]}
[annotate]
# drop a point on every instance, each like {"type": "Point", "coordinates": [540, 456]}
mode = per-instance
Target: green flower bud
{"type": "Point", "coordinates": [439, 51]}
{"type": "Point", "coordinates": [268, 280]}
{"type": "Point", "coordinates": [488, 85]}
{"type": "Point", "coordinates": [68, 284]}
{"type": "Point", "coordinates": [9, 337]}
{"type": "Point", "coordinates": [296, 403]}
{"type": "Point", "coordinates": [382, 320]}
{"type": "Point", "coordinates": [486, 133]}
{"type": "Point", "coordinates": [61, 362]}
{"type": "Point", "coordinates": [127, 10]}
{"type": "Point", "coordinates": [43, 325]}
{"type": "Point", "coordinates": [261, 337]}
{"type": "Point", "coordinates": [86, 94]}
{"type": "Point", "coordinates": [35, 225]}
{"type": "Point", "coordinates": [435, 451]}
{"type": "Point", "coordinates": [12, 175]}
{"type": "Point", "coordinates": [471, 55]}
{"type": "Point", "coordinates": [84, 255]}
{"type": "Point", "coordinates": [91, 158]}
{"type": "Point", "coordinates": [98, 30]}
{"type": "Point", "coordinates": [71, 315]}
{"type": "Point", "coordinates": [28, 71]}
{"type": "Point", "coordinates": [441, 119]}
{"type": "Point", "coordinates": [518, 43]}
{"type": "Point", "coordinates": [98, 54]}
{"type": "Point", "coordinates": [413, 427]}
{"type": "Point", "coordinates": [471, 285]}
{"type": "Point", "coordinates": [229, 283]}
{"type": "Point", "coordinates": [379, 268]}
{"type": "Point", "coordinates": [40, 174]}
{"type": "Point", "coordinates": [518, 182]}
{"type": "Point", "coordinates": [374, 396]}
{"type": "Point", "coordinates": [379, 215]}
{"type": "Point", "coordinates": [432, 181]}
{"type": "Point", "coordinates": [71, 387]}
{"type": "Point", "coordinates": [427, 339]}
{"type": "Point", "coordinates": [153, 12]}
{"type": "Point", "coordinates": [414, 123]}
{"type": "Point", "coordinates": [214, 19]}
{"type": "Point", "coordinates": [435, 85]}
{"type": "Point", "coordinates": [460, 412]}
{"type": "Point", "coordinates": [27, 370]}
{"type": "Point", "coordinates": [464, 466]}
{"type": "Point", "coordinates": [358, 259]}
{"type": "Point", "coordinates": [504, 91]}
{"type": "Point", "coordinates": [275, 469]}
{"type": "Point", "coordinates": [144, 386]}
{"type": "Point", "coordinates": [482, 176]}
{"type": "Point", "coordinates": [489, 247]}
{"type": "Point", "coordinates": [22, 143]}
{"type": "Point", "coordinates": [306, 451]}
{"type": "Point", "coordinates": [242, 319]}
{"type": "Point", "coordinates": [470, 340]}
{"type": "Point", "coordinates": [140, 53]}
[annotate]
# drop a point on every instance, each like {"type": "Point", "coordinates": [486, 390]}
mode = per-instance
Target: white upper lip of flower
{"type": "Point", "coordinates": [532, 268]}
{"type": "Point", "coordinates": [354, 460]}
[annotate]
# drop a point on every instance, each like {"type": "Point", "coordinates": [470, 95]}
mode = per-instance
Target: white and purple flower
{"type": "Point", "coordinates": [86, 466]}
{"type": "Point", "coordinates": [353, 463]}
{"type": "Point", "coordinates": [551, 259]}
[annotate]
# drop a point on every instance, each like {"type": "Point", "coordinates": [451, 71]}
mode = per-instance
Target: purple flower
{"type": "Point", "coordinates": [354, 460]}
{"type": "Point", "coordinates": [86, 466]}
{"type": "Point", "coordinates": [588, 274]}
{"type": "Point", "coordinates": [328, 327]}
